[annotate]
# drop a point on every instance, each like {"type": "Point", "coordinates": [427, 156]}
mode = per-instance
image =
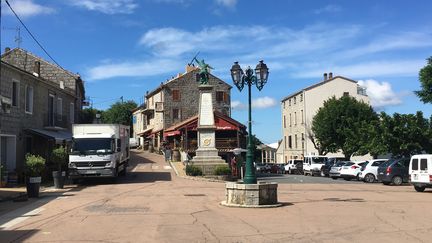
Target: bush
{"type": "Point", "coordinates": [35, 164]}
{"type": "Point", "coordinates": [222, 170]}
{"type": "Point", "coordinates": [59, 156]}
{"type": "Point", "coordinates": [192, 170]}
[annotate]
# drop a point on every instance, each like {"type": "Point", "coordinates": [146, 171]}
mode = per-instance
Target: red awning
{"type": "Point", "coordinates": [172, 133]}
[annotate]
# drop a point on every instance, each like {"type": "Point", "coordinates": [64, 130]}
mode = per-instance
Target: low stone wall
{"type": "Point", "coordinates": [251, 195]}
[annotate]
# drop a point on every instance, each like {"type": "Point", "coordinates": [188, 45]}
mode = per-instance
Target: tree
{"type": "Point", "coordinates": [88, 115]}
{"type": "Point", "coordinates": [322, 149]}
{"type": "Point", "coordinates": [406, 134]}
{"type": "Point", "coordinates": [425, 77]}
{"type": "Point", "coordinates": [344, 124]}
{"type": "Point", "coordinates": [119, 113]}
{"type": "Point", "coordinates": [256, 152]}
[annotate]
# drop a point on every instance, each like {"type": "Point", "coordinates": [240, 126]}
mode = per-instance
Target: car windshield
{"type": "Point", "coordinates": [348, 163]}
{"type": "Point", "coordinates": [340, 163]}
{"type": "Point", "coordinates": [318, 160]}
{"type": "Point", "coordinates": [92, 146]}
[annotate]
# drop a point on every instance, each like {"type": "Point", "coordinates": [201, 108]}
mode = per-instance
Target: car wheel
{"type": "Point", "coordinates": [397, 180]}
{"type": "Point", "coordinates": [369, 178]}
{"type": "Point", "coordinates": [305, 173]}
{"type": "Point", "coordinates": [419, 188]}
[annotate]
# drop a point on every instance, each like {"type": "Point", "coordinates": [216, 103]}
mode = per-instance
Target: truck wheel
{"type": "Point", "coordinates": [419, 188]}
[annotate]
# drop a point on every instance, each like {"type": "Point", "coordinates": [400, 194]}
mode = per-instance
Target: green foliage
{"type": "Point", "coordinates": [87, 115]}
{"type": "Point", "coordinates": [119, 113]}
{"type": "Point", "coordinates": [35, 164]}
{"type": "Point", "coordinates": [407, 134]}
{"type": "Point", "coordinates": [256, 152]}
{"type": "Point", "coordinates": [193, 170]}
{"type": "Point", "coordinates": [344, 124]}
{"type": "Point", "coordinates": [222, 170]}
{"type": "Point", "coordinates": [59, 156]}
{"type": "Point", "coordinates": [425, 77]}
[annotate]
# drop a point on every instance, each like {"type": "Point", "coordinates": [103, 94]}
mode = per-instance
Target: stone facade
{"type": "Point", "coordinates": [299, 109]}
{"type": "Point", "coordinates": [41, 102]}
{"type": "Point", "coordinates": [178, 99]}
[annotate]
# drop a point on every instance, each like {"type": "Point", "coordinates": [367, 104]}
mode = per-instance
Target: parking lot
{"type": "Point", "coordinates": [288, 178]}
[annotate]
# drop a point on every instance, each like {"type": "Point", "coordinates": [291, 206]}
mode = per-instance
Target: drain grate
{"type": "Point", "coordinates": [194, 195]}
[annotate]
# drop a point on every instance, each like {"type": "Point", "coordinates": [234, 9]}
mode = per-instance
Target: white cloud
{"type": "Point", "coordinates": [328, 9]}
{"type": "Point", "coordinates": [231, 4]}
{"type": "Point", "coordinates": [26, 8]}
{"type": "Point", "coordinates": [263, 102]}
{"type": "Point", "coordinates": [107, 6]}
{"type": "Point", "coordinates": [381, 94]}
{"type": "Point", "coordinates": [133, 69]}
{"type": "Point", "coordinates": [258, 103]}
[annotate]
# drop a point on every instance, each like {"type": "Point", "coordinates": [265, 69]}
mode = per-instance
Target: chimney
{"type": "Point", "coordinates": [330, 75]}
{"type": "Point", "coordinates": [7, 49]}
{"type": "Point", "coordinates": [36, 69]}
{"type": "Point", "coordinates": [325, 76]}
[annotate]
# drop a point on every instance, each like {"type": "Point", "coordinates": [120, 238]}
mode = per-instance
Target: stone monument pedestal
{"type": "Point", "coordinates": [207, 157]}
{"type": "Point", "coordinates": [260, 195]}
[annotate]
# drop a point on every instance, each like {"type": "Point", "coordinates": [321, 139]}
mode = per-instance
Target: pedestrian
{"type": "Point", "coordinates": [234, 166]}
{"type": "Point", "coordinates": [167, 154]}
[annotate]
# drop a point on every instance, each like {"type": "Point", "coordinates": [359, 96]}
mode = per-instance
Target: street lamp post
{"type": "Point", "coordinates": [241, 78]}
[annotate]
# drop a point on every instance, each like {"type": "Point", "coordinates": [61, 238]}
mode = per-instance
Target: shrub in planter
{"type": "Point", "coordinates": [192, 170]}
{"type": "Point", "coordinates": [222, 170]}
{"type": "Point", "coordinates": [59, 157]}
{"type": "Point", "coordinates": [34, 166]}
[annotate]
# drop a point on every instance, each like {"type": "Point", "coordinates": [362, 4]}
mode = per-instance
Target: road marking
{"type": "Point", "coordinates": [21, 218]}
{"type": "Point", "coordinates": [167, 167]}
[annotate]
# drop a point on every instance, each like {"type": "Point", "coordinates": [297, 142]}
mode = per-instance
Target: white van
{"type": "Point", "coordinates": [420, 171]}
{"type": "Point", "coordinates": [312, 164]}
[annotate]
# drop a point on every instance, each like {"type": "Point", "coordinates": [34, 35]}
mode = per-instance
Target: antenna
{"type": "Point", "coordinates": [190, 63]}
{"type": "Point", "coordinates": [18, 38]}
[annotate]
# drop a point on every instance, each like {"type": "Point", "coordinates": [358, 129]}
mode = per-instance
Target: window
{"type": "Point", "coordinates": [29, 99]}
{"type": "Point", "coordinates": [377, 163]}
{"type": "Point", "coordinates": [295, 140]}
{"type": "Point", "coordinates": [414, 165]}
{"type": "Point", "coordinates": [59, 108]}
{"type": "Point", "coordinates": [345, 93]}
{"type": "Point", "coordinates": [303, 140]}
{"type": "Point", "coordinates": [176, 95]}
{"type": "Point", "coordinates": [302, 120]}
{"type": "Point", "coordinates": [72, 113]}
{"type": "Point", "coordinates": [301, 97]}
{"type": "Point", "coordinates": [289, 142]}
{"type": "Point", "coordinates": [51, 110]}
{"type": "Point", "coordinates": [176, 114]}
{"type": "Point", "coordinates": [285, 143]}
{"type": "Point", "coordinates": [15, 93]}
{"type": "Point", "coordinates": [295, 98]}
{"type": "Point", "coordinates": [290, 119]}
{"type": "Point", "coordinates": [284, 121]}
{"type": "Point", "coordinates": [295, 118]}
{"type": "Point", "coordinates": [423, 164]}
{"type": "Point", "coordinates": [219, 96]}
{"type": "Point", "coordinates": [289, 102]}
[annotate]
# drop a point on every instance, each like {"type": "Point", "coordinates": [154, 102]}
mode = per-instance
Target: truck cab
{"type": "Point", "coordinates": [312, 164]}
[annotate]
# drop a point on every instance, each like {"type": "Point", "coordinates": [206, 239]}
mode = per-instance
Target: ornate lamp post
{"type": "Point", "coordinates": [241, 78]}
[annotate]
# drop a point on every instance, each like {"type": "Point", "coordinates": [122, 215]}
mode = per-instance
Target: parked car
{"type": "Point", "coordinates": [420, 171]}
{"type": "Point", "coordinates": [312, 164]}
{"type": "Point", "coordinates": [325, 169]}
{"type": "Point", "coordinates": [262, 168]}
{"type": "Point", "coordinates": [133, 143]}
{"type": "Point", "coordinates": [335, 169]}
{"type": "Point", "coordinates": [369, 171]}
{"type": "Point", "coordinates": [394, 171]}
{"type": "Point", "coordinates": [277, 168]}
{"type": "Point", "coordinates": [351, 170]}
{"type": "Point", "coordinates": [291, 166]}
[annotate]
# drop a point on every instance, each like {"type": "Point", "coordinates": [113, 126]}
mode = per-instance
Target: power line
{"type": "Point", "coordinates": [34, 38]}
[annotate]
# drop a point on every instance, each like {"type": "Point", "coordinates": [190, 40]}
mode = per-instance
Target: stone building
{"type": "Point", "coordinates": [39, 103]}
{"type": "Point", "coordinates": [175, 101]}
{"type": "Point", "coordinates": [299, 108]}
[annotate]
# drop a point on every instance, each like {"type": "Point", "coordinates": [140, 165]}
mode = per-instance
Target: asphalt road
{"type": "Point", "coordinates": [289, 179]}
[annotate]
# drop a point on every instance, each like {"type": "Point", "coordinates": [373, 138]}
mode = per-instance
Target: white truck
{"type": "Point", "coordinates": [98, 150]}
{"type": "Point", "coordinates": [312, 164]}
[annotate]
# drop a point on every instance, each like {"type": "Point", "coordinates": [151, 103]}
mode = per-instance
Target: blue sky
{"type": "Point", "coordinates": [126, 47]}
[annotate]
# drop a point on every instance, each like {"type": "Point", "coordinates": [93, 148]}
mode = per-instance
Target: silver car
{"type": "Point", "coordinates": [335, 169]}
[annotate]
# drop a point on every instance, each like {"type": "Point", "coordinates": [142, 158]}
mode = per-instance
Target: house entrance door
{"type": "Point", "coordinates": [8, 152]}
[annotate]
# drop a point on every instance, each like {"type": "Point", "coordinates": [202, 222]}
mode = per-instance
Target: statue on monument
{"type": "Point", "coordinates": [204, 71]}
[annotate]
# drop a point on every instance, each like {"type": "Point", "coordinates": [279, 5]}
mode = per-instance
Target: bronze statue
{"type": "Point", "coordinates": [204, 71]}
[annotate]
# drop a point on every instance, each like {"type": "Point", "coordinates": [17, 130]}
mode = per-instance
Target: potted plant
{"type": "Point", "coordinates": [59, 157]}
{"type": "Point", "coordinates": [34, 167]}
